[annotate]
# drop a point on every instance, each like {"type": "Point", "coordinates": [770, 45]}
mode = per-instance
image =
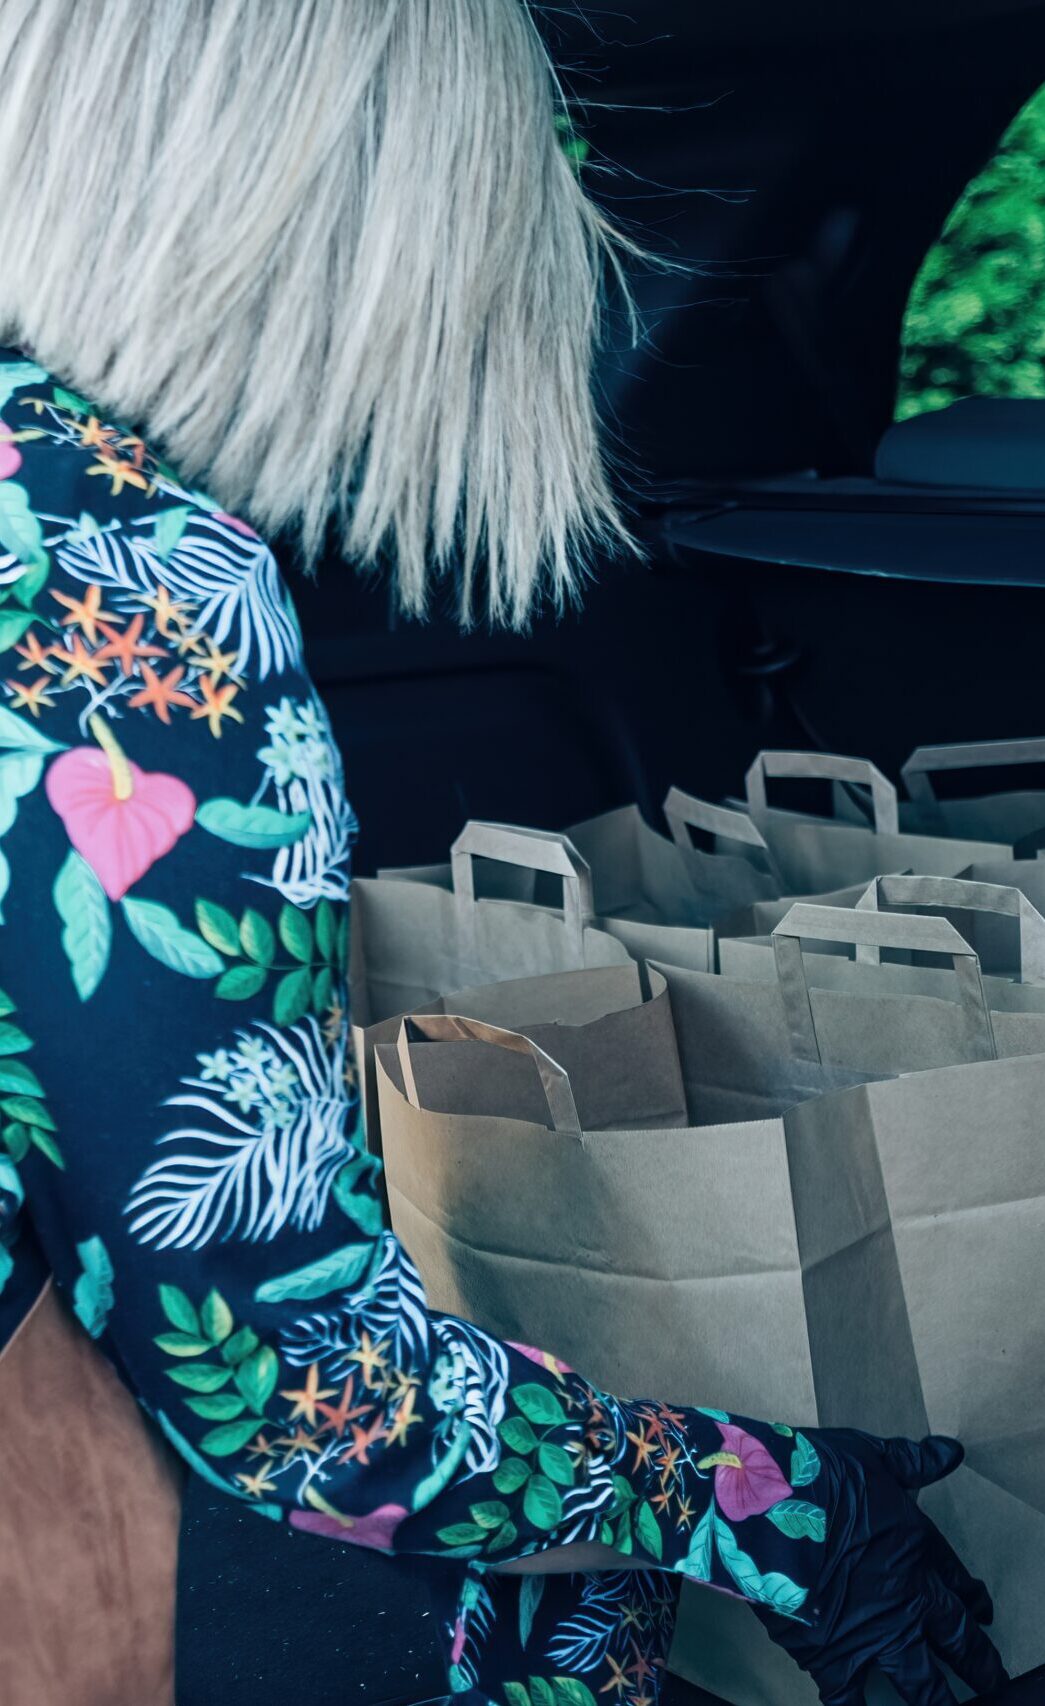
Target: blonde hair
{"type": "Point", "coordinates": [330, 257]}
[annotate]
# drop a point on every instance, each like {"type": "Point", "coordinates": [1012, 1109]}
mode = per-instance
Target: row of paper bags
{"type": "Point", "coordinates": [636, 1122]}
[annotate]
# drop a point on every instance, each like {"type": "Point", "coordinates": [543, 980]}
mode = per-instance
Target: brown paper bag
{"type": "Point", "coordinates": [413, 942]}
{"type": "Point", "coordinates": [574, 998]}
{"type": "Point", "coordinates": [1021, 952]}
{"type": "Point", "coordinates": [640, 875]}
{"type": "Point", "coordinates": [657, 896]}
{"type": "Point", "coordinates": [1004, 817]}
{"type": "Point", "coordinates": [815, 855]}
{"type": "Point", "coordinates": [711, 1263]}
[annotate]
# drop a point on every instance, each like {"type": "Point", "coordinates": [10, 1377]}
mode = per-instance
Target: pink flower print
{"type": "Point", "coordinates": [120, 819]}
{"type": "Point", "coordinates": [747, 1481]}
{"type": "Point", "coordinates": [375, 1530]}
{"type": "Point", "coordinates": [235, 522]}
{"type": "Point", "coordinates": [543, 1358]}
{"type": "Point", "coordinates": [460, 1636]}
{"type": "Point", "coordinates": [10, 455]}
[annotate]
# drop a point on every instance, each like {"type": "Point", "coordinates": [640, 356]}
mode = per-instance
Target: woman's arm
{"type": "Point", "coordinates": [185, 1129]}
{"type": "Point", "coordinates": [174, 958]}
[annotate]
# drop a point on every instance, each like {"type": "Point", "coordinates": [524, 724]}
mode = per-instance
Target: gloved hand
{"type": "Point", "coordinates": [892, 1592]}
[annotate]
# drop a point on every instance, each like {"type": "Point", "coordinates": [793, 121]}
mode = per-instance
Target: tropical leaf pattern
{"type": "Point", "coordinates": [267, 1139]}
{"type": "Point", "coordinates": [184, 1146]}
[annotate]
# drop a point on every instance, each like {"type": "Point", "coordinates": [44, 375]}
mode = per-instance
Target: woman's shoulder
{"type": "Point", "coordinates": [92, 519]}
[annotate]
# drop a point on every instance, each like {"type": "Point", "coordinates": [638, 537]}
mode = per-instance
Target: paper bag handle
{"type": "Point", "coordinates": [825, 767]}
{"type": "Point", "coordinates": [969, 755]}
{"type": "Point", "coordinates": [453, 1027]}
{"type": "Point", "coordinates": [959, 894]}
{"type": "Point", "coordinates": [881, 930]}
{"type": "Point", "coordinates": [685, 812]}
{"type": "Point", "coordinates": [535, 850]}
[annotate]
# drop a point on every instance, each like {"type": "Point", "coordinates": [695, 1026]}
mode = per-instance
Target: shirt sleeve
{"type": "Point", "coordinates": [185, 1127]}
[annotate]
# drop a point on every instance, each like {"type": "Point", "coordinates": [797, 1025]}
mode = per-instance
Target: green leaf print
{"type": "Point", "coordinates": [461, 1534]}
{"type": "Point", "coordinates": [228, 1438]}
{"type": "Point", "coordinates": [538, 1405]}
{"type": "Point", "coordinates": [69, 401]}
{"type": "Point", "coordinates": [510, 1474]}
{"type": "Point", "coordinates": [13, 624]}
{"type": "Point", "coordinates": [506, 1536]}
{"type": "Point", "coordinates": [571, 1691]}
{"type": "Point", "coordinates": [799, 1520]}
{"type": "Point", "coordinates": [241, 1345]}
{"type": "Point", "coordinates": [259, 827]}
{"type": "Point", "coordinates": [340, 1270]}
{"type": "Point", "coordinates": [257, 1377]}
{"type": "Point", "coordinates": [170, 526]}
{"type": "Point", "coordinates": [93, 1294]}
{"type": "Point", "coordinates": [490, 1514]}
{"type": "Point", "coordinates": [239, 983]}
{"type": "Point", "coordinates": [805, 1463]}
{"type": "Point", "coordinates": [322, 990]}
{"type": "Point", "coordinates": [20, 530]}
{"type": "Point", "coordinates": [542, 1502]}
{"type": "Point", "coordinates": [515, 1694]}
{"type": "Point", "coordinates": [775, 1590]}
{"type": "Point", "coordinates": [216, 1317]}
{"type": "Point", "coordinates": [27, 1122]}
{"type": "Point", "coordinates": [10, 1180]}
{"type": "Point", "coordinates": [697, 1562]}
{"type": "Point", "coordinates": [14, 375]}
{"type": "Point", "coordinates": [182, 1344]}
{"type": "Point", "coordinates": [179, 1310]}
{"type": "Point", "coordinates": [326, 930]}
{"type": "Point", "coordinates": [256, 935]}
{"type": "Point", "coordinates": [518, 1435]}
{"type": "Point", "coordinates": [648, 1533]}
{"type": "Point", "coordinates": [28, 1110]}
{"type": "Point", "coordinates": [17, 1139]}
{"type": "Point", "coordinates": [295, 933]}
{"type": "Point", "coordinates": [218, 927]}
{"type": "Point", "coordinates": [17, 735]}
{"type": "Point", "coordinates": [293, 997]}
{"type": "Point", "coordinates": [220, 1407]}
{"type": "Point", "coordinates": [201, 1377]}
{"type": "Point", "coordinates": [541, 1690]}
{"type": "Point", "coordinates": [556, 1463]}
{"type": "Point", "coordinates": [84, 911]}
{"type": "Point", "coordinates": [362, 1207]}
{"type": "Point", "coordinates": [157, 929]}
{"type": "Point", "coordinates": [530, 1596]}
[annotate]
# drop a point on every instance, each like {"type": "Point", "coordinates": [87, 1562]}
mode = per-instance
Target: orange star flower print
{"type": "Point", "coordinates": [180, 1125]}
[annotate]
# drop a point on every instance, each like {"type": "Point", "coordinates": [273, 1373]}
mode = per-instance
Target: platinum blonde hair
{"type": "Point", "coordinates": [330, 257]}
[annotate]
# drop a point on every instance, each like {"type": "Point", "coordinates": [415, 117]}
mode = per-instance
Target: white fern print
{"type": "Point", "coordinates": [302, 772]}
{"type": "Point", "coordinates": [264, 1155]}
{"type": "Point", "coordinates": [231, 578]}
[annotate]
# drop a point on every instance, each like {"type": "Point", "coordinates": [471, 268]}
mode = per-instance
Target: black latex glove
{"type": "Point", "coordinates": [892, 1591]}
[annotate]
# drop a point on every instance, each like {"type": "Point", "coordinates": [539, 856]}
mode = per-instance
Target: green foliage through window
{"type": "Point", "coordinates": [975, 323]}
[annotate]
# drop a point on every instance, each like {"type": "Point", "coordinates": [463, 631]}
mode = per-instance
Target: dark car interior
{"type": "Point", "coordinates": [800, 161]}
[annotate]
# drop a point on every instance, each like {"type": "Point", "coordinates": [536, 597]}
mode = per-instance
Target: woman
{"type": "Point", "coordinates": [325, 257]}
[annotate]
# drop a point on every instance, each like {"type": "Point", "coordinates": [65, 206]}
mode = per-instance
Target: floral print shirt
{"type": "Point", "coordinates": [179, 1117]}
